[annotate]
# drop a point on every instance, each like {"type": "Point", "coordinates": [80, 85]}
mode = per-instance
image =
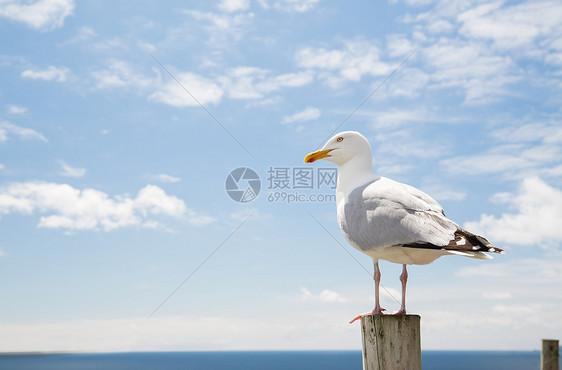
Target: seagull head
{"type": "Point", "coordinates": [342, 148]}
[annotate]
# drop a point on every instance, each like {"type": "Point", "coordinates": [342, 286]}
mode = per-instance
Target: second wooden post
{"type": "Point", "coordinates": [549, 354]}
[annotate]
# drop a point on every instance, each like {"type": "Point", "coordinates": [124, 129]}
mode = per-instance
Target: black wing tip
{"type": "Point", "coordinates": [476, 242]}
{"type": "Point", "coordinates": [464, 241]}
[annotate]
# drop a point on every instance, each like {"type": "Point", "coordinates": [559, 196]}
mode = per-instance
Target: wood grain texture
{"type": "Point", "coordinates": [391, 342]}
{"type": "Point", "coordinates": [549, 354]}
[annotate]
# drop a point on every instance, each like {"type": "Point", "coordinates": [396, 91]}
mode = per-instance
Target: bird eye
{"type": "Point", "coordinates": [339, 139]}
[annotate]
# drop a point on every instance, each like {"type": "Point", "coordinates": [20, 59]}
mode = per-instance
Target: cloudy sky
{"type": "Point", "coordinates": [119, 124]}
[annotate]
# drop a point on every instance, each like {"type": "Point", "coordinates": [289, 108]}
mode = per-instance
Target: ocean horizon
{"type": "Point", "coordinates": [263, 360]}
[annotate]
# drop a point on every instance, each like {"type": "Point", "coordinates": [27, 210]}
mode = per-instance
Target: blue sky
{"type": "Point", "coordinates": [112, 178]}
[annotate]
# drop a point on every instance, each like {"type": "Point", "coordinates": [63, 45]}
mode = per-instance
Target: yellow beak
{"type": "Point", "coordinates": [317, 155]}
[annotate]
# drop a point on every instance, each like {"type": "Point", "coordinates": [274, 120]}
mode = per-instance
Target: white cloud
{"type": "Point", "coordinates": [2, 253]}
{"type": "Point", "coordinates": [296, 5]}
{"type": "Point", "coordinates": [390, 293]}
{"type": "Point", "coordinates": [355, 60]}
{"type": "Point", "coordinates": [255, 83]}
{"type": "Point", "coordinates": [52, 73]}
{"type": "Point", "coordinates": [549, 132]}
{"type": "Point", "coordinates": [42, 14]}
{"type": "Point", "coordinates": [220, 21]}
{"type": "Point", "coordinates": [90, 209]}
{"type": "Point", "coordinates": [147, 46]}
{"type": "Point", "coordinates": [1, 166]}
{"type": "Point", "coordinates": [325, 295]}
{"type": "Point", "coordinates": [496, 295]}
{"type": "Point", "coordinates": [471, 67]}
{"type": "Point", "coordinates": [487, 163]}
{"type": "Point", "coordinates": [535, 219]}
{"type": "Point", "coordinates": [152, 199]}
{"type": "Point", "coordinates": [317, 330]}
{"type": "Point", "coordinates": [234, 5]}
{"type": "Point", "coordinates": [84, 33]}
{"type": "Point", "coordinates": [495, 287]}
{"type": "Point", "coordinates": [284, 80]}
{"type": "Point", "coordinates": [204, 90]}
{"type": "Point", "coordinates": [111, 46]}
{"type": "Point", "coordinates": [394, 169]}
{"type": "Point", "coordinates": [248, 213]}
{"type": "Point", "coordinates": [16, 109]}
{"type": "Point", "coordinates": [483, 48]}
{"type": "Point", "coordinates": [518, 150]}
{"type": "Point", "coordinates": [198, 219]}
{"type": "Point", "coordinates": [162, 177]}
{"type": "Point", "coordinates": [264, 102]}
{"type": "Point", "coordinates": [408, 143]}
{"type": "Point", "coordinates": [515, 26]}
{"type": "Point", "coordinates": [223, 28]}
{"type": "Point", "coordinates": [408, 83]}
{"type": "Point", "coordinates": [121, 74]}
{"type": "Point", "coordinates": [207, 332]}
{"type": "Point", "coordinates": [69, 171]}
{"type": "Point", "coordinates": [530, 321]}
{"type": "Point", "coordinates": [394, 118]}
{"type": "Point", "coordinates": [240, 82]}
{"type": "Point", "coordinates": [7, 129]}
{"type": "Point", "coordinates": [309, 114]}
{"type": "Point", "coordinates": [414, 2]}
{"type": "Point", "coordinates": [555, 171]}
{"type": "Point", "coordinates": [440, 192]}
{"type": "Point", "coordinates": [440, 26]}
{"type": "Point", "coordinates": [398, 45]}
{"type": "Point", "coordinates": [243, 214]}
{"type": "Point", "coordinates": [518, 272]}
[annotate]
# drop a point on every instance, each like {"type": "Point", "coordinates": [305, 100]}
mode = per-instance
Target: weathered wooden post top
{"type": "Point", "coordinates": [549, 354]}
{"type": "Point", "coordinates": [391, 342]}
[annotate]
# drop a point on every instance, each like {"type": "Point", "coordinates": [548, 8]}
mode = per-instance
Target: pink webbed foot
{"type": "Point", "coordinates": [376, 311]}
{"type": "Point", "coordinates": [401, 311]}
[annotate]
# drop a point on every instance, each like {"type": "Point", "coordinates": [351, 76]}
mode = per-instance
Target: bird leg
{"type": "Point", "coordinates": [403, 280]}
{"type": "Point", "coordinates": [377, 310]}
{"type": "Point", "coordinates": [377, 277]}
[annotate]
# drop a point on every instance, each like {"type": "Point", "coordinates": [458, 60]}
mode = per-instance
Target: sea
{"type": "Point", "coordinates": [262, 360]}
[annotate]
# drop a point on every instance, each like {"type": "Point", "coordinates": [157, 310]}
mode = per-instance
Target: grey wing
{"type": "Point", "coordinates": [405, 195]}
{"type": "Point", "coordinates": [386, 213]}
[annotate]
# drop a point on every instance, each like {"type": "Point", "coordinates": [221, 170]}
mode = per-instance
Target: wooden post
{"type": "Point", "coordinates": [391, 342]}
{"type": "Point", "coordinates": [549, 354]}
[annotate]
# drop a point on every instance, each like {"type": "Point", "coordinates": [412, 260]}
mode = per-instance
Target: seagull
{"type": "Point", "coordinates": [389, 220]}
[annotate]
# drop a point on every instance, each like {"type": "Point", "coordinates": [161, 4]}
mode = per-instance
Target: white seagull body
{"type": "Point", "coordinates": [389, 220]}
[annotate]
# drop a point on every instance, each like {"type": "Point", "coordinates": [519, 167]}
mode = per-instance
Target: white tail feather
{"type": "Point", "coordinates": [479, 255]}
